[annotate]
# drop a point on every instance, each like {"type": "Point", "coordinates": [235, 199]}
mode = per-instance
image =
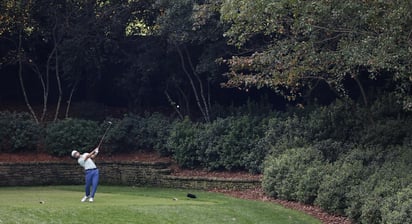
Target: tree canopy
{"type": "Point", "coordinates": [292, 45]}
{"type": "Point", "coordinates": [180, 53]}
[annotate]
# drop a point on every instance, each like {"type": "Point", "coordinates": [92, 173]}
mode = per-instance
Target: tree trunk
{"type": "Point", "coordinates": [203, 110]}
{"type": "Point", "coordinates": [59, 85]}
{"type": "Point", "coordinates": [20, 73]}
{"type": "Point", "coordinates": [202, 94]}
{"type": "Point", "coordinates": [70, 100]}
{"type": "Point", "coordinates": [46, 86]}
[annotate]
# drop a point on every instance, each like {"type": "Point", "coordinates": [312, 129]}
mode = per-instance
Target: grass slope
{"type": "Point", "coordinates": [61, 204]}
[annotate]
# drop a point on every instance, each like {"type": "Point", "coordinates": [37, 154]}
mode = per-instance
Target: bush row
{"type": "Point", "coordinates": [130, 134]}
{"type": "Point", "coordinates": [18, 132]}
{"type": "Point", "coordinates": [363, 185]}
{"type": "Point", "coordinates": [345, 158]}
{"type": "Point", "coordinates": [231, 143]}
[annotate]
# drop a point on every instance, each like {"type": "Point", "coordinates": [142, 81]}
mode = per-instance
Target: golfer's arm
{"type": "Point", "coordinates": [93, 155]}
{"type": "Point", "coordinates": [90, 155]}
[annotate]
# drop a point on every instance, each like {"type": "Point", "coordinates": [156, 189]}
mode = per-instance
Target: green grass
{"type": "Point", "coordinates": [136, 205]}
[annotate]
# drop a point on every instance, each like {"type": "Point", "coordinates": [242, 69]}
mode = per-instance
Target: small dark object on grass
{"type": "Point", "coordinates": [191, 195]}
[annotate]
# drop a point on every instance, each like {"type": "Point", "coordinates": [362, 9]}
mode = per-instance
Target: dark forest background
{"type": "Point", "coordinates": [314, 95]}
{"type": "Point", "coordinates": [200, 55]}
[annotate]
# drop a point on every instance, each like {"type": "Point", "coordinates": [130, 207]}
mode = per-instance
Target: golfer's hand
{"type": "Point", "coordinates": [96, 150]}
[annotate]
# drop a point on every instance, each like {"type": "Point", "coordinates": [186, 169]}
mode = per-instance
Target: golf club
{"type": "Point", "coordinates": [104, 135]}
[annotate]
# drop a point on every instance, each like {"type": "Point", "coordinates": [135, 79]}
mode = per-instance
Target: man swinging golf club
{"type": "Point", "coordinates": [92, 173]}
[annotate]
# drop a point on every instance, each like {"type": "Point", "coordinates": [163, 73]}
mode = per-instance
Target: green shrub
{"type": "Point", "coordinates": [366, 201]}
{"type": "Point", "coordinates": [340, 121]}
{"type": "Point", "coordinates": [398, 208]}
{"type": "Point", "coordinates": [332, 149]}
{"type": "Point", "coordinates": [387, 106]}
{"type": "Point", "coordinates": [347, 174]}
{"type": "Point", "coordinates": [370, 211]}
{"type": "Point", "coordinates": [385, 133]}
{"type": "Point", "coordinates": [254, 160]}
{"type": "Point", "coordinates": [285, 132]}
{"type": "Point", "coordinates": [230, 143]}
{"type": "Point", "coordinates": [209, 143]}
{"type": "Point", "coordinates": [159, 130]}
{"type": "Point", "coordinates": [294, 175]}
{"type": "Point", "coordinates": [226, 143]}
{"type": "Point", "coordinates": [135, 132]}
{"type": "Point", "coordinates": [72, 134]}
{"type": "Point", "coordinates": [309, 182]}
{"type": "Point", "coordinates": [184, 143]}
{"type": "Point", "coordinates": [332, 129]}
{"type": "Point", "coordinates": [18, 131]}
{"type": "Point", "coordinates": [122, 137]}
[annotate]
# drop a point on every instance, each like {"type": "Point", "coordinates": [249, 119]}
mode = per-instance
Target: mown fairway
{"type": "Point", "coordinates": [61, 204]}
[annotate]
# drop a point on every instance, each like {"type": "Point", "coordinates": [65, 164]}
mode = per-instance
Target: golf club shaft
{"type": "Point", "coordinates": [104, 135]}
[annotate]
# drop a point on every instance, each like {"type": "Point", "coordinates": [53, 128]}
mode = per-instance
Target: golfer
{"type": "Point", "coordinates": [92, 173]}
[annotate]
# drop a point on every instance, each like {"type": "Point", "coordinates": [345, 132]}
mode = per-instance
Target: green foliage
{"type": "Point", "coordinates": [231, 143]}
{"type": "Point", "coordinates": [159, 130]}
{"type": "Point", "coordinates": [72, 134]}
{"type": "Point", "coordinates": [331, 156]}
{"type": "Point", "coordinates": [18, 131]}
{"type": "Point", "coordinates": [331, 149]}
{"type": "Point", "coordinates": [386, 133]}
{"type": "Point", "coordinates": [340, 121]}
{"type": "Point", "coordinates": [387, 106]}
{"type": "Point", "coordinates": [177, 20]}
{"type": "Point", "coordinates": [135, 132]}
{"type": "Point", "coordinates": [386, 179]}
{"type": "Point", "coordinates": [334, 129]}
{"type": "Point", "coordinates": [327, 129]}
{"type": "Point", "coordinates": [364, 164]}
{"type": "Point", "coordinates": [304, 42]}
{"type": "Point", "coordinates": [184, 143]}
{"type": "Point", "coordinates": [346, 174]}
{"type": "Point", "coordinates": [296, 174]}
{"type": "Point", "coordinates": [227, 143]}
{"type": "Point", "coordinates": [285, 132]}
{"type": "Point", "coordinates": [364, 180]}
{"type": "Point", "coordinates": [398, 207]}
{"type": "Point", "coordinates": [391, 124]}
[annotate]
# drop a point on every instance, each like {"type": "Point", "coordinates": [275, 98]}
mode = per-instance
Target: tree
{"type": "Point", "coordinates": [192, 30]}
{"type": "Point", "coordinates": [16, 28]}
{"type": "Point", "coordinates": [294, 44]}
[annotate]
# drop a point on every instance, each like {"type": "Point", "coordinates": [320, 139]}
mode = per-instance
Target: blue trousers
{"type": "Point", "coordinates": [92, 180]}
